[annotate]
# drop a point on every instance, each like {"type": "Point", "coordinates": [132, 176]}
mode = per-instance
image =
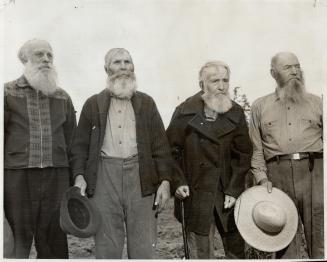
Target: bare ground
{"type": "Point", "coordinates": [169, 245]}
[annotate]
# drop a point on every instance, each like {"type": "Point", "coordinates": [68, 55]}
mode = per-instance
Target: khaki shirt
{"type": "Point", "coordinates": [120, 134]}
{"type": "Point", "coordinates": [278, 128]}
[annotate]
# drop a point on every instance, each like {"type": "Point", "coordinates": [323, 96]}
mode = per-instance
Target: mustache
{"type": "Point", "coordinates": [122, 74]}
{"type": "Point", "coordinates": [45, 66]}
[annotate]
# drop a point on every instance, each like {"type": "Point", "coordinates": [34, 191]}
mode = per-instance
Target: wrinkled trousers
{"type": "Point", "coordinates": [123, 209]}
{"type": "Point", "coordinates": [202, 247]}
{"type": "Point", "coordinates": [306, 189]}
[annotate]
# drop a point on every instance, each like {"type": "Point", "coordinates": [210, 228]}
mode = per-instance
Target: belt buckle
{"type": "Point", "coordinates": [296, 156]}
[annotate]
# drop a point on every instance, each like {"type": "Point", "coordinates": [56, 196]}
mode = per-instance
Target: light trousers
{"type": "Point", "coordinates": [124, 211]}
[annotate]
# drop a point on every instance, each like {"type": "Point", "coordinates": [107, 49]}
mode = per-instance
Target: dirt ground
{"type": "Point", "coordinates": [169, 245]}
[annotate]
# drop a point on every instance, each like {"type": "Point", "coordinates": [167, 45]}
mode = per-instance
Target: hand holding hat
{"type": "Point", "coordinates": [79, 216]}
{"type": "Point", "coordinates": [81, 183]}
{"type": "Point", "coordinates": [266, 221]}
{"type": "Point", "coordinates": [265, 182]}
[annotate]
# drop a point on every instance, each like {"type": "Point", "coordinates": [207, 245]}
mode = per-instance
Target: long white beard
{"type": "Point", "coordinates": [122, 85]}
{"type": "Point", "coordinates": [220, 103]}
{"type": "Point", "coordinates": [44, 80]}
{"type": "Point", "coordinates": [293, 91]}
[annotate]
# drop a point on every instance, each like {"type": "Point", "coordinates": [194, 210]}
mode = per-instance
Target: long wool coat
{"type": "Point", "coordinates": [212, 158]}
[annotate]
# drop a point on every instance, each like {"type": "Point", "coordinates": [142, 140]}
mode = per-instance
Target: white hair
{"type": "Point", "coordinates": [26, 47]}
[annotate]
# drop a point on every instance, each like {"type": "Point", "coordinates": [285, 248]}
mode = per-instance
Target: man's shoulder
{"type": "Point", "coordinates": [143, 96]}
{"type": "Point", "coordinates": [264, 100]}
{"type": "Point", "coordinates": [60, 94]}
{"type": "Point", "coordinates": [12, 88]}
{"type": "Point", "coordinates": [314, 98]}
{"type": "Point", "coordinates": [190, 101]}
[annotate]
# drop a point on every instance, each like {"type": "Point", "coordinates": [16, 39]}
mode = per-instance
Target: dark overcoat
{"type": "Point", "coordinates": [153, 148]}
{"type": "Point", "coordinates": [212, 158]}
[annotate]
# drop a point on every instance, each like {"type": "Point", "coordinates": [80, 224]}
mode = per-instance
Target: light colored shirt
{"type": "Point", "coordinates": [278, 128]}
{"type": "Point", "coordinates": [120, 134]}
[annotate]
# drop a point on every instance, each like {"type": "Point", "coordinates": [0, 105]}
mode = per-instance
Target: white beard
{"type": "Point", "coordinates": [122, 85]}
{"type": "Point", "coordinates": [44, 80]}
{"type": "Point", "coordinates": [293, 91]}
{"type": "Point", "coordinates": [220, 103]}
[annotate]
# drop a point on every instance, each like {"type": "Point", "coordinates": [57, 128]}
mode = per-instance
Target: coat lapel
{"type": "Point", "coordinates": [136, 103]}
{"type": "Point", "coordinates": [224, 124]}
{"type": "Point", "coordinates": [103, 100]}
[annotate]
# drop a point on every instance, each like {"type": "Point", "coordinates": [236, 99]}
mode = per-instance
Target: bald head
{"type": "Point", "coordinates": [284, 67]}
{"type": "Point", "coordinates": [28, 47]}
{"type": "Point", "coordinates": [283, 58]}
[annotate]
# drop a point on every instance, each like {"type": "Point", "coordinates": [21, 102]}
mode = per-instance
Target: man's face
{"type": "Point", "coordinates": [287, 68]}
{"type": "Point", "coordinates": [40, 55]}
{"type": "Point", "coordinates": [121, 62]}
{"type": "Point", "coordinates": [217, 80]}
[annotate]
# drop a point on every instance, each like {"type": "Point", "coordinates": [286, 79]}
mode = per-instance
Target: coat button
{"type": "Point", "coordinates": [202, 165]}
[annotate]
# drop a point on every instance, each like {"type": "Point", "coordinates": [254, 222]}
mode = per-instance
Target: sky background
{"type": "Point", "coordinates": [169, 41]}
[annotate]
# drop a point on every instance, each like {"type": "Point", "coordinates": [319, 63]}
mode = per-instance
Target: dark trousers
{"type": "Point", "coordinates": [32, 203]}
{"type": "Point", "coordinates": [307, 191]}
{"type": "Point", "coordinates": [202, 247]}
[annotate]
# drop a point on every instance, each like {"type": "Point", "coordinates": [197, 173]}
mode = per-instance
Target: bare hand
{"type": "Point", "coordinates": [229, 201]}
{"type": "Point", "coordinates": [80, 182]}
{"type": "Point", "coordinates": [182, 192]}
{"type": "Point", "coordinates": [163, 195]}
{"type": "Point", "coordinates": [265, 182]}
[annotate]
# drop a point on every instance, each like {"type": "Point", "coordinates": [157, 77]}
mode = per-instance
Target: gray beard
{"type": "Point", "coordinates": [220, 103]}
{"type": "Point", "coordinates": [122, 85]}
{"type": "Point", "coordinates": [44, 81]}
{"type": "Point", "coordinates": [292, 91]}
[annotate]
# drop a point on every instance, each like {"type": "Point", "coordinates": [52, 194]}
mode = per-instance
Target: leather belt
{"type": "Point", "coordinates": [297, 156]}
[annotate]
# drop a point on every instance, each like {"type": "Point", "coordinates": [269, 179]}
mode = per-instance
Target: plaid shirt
{"type": "Point", "coordinates": [28, 111]}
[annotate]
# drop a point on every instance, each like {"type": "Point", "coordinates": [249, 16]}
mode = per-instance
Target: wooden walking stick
{"type": "Point", "coordinates": [186, 250]}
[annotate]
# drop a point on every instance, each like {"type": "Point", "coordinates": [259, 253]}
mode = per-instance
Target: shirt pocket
{"type": "Point", "coordinates": [271, 130]}
{"type": "Point", "coordinates": [308, 122]}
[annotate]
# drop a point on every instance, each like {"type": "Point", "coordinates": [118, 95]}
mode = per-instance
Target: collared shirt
{"type": "Point", "coordinates": [278, 128]}
{"type": "Point", "coordinates": [38, 128]}
{"type": "Point", "coordinates": [120, 134]}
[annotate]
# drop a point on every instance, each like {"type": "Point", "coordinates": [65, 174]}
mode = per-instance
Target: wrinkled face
{"type": "Point", "coordinates": [120, 63]}
{"type": "Point", "coordinates": [40, 55]}
{"type": "Point", "coordinates": [287, 68]}
{"type": "Point", "coordinates": [216, 80]}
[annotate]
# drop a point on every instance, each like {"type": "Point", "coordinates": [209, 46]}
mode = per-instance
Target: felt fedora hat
{"type": "Point", "coordinates": [78, 215]}
{"type": "Point", "coordinates": [8, 239]}
{"type": "Point", "coordinates": [266, 221]}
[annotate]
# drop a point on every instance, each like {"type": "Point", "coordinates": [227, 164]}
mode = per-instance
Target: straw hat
{"type": "Point", "coordinates": [266, 221]}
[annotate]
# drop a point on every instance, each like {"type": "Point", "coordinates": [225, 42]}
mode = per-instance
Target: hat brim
{"type": "Point", "coordinates": [66, 221]}
{"type": "Point", "coordinates": [252, 234]}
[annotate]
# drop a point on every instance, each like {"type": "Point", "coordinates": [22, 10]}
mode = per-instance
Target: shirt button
{"type": "Point", "coordinates": [288, 108]}
{"type": "Point", "coordinates": [120, 142]}
{"type": "Point", "coordinates": [290, 139]}
{"type": "Point", "coordinates": [289, 124]}
{"type": "Point", "coordinates": [119, 126]}
{"type": "Point", "coordinates": [119, 111]}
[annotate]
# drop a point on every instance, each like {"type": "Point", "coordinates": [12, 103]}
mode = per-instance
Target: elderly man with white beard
{"type": "Point", "coordinates": [122, 161]}
{"type": "Point", "coordinates": [39, 123]}
{"type": "Point", "coordinates": [209, 138]}
{"type": "Point", "coordinates": [286, 130]}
